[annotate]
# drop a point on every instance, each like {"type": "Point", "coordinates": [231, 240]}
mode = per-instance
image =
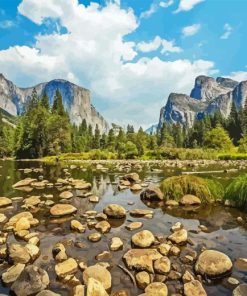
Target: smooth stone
{"type": "Point", "coordinates": [132, 177]}
{"type": "Point", "coordinates": [62, 209]}
{"type": "Point", "coordinates": [152, 193]}
{"type": "Point", "coordinates": [213, 263]}
{"type": "Point", "coordinates": [77, 226]}
{"type": "Point", "coordinates": [95, 288]}
{"type": "Point", "coordinates": [33, 251]}
{"type": "Point", "coordinates": [177, 226]}
{"type": "Point", "coordinates": [162, 265]}
{"type": "Point", "coordinates": [66, 267]}
{"type": "Point", "coordinates": [103, 226]}
{"type": "Point", "coordinates": [194, 288]}
{"type": "Point", "coordinates": [22, 224]}
{"type": "Point", "coordinates": [141, 212]}
{"type": "Point", "coordinates": [134, 225]}
{"type": "Point", "coordinates": [141, 259]}
{"type": "Point", "coordinates": [4, 202]}
{"type": "Point", "coordinates": [94, 237]}
{"type": "Point", "coordinates": [164, 249]}
{"type": "Point", "coordinates": [241, 290]}
{"type": "Point", "coordinates": [94, 199]}
{"type": "Point", "coordinates": [116, 244]}
{"type": "Point", "coordinates": [136, 187]}
{"type": "Point", "coordinates": [179, 237]}
{"type": "Point", "coordinates": [98, 273]}
{"type": "Point", "coordinates": [190, 200]}
{"type": "Point", "coordinates": [143, 239]}
{"type": "Point", "coordinates": [31, 281]}
{"type": "Point", "coordinates": [66, 195]}
{"type": "Point", "coordinates": [115, 211]}
{"type": "Point", "coordinates": [18, 253]}
{"type": "Point", "coordinates": [142, 279]}
{"type": "Point", "coordinates": [156, 289]}
{"type": "Point", "coordinates": [171, 203]}
{"type": "Point", "coordinates": [12, 273]}
{"type": "Point", "coordinates": [24, 183]}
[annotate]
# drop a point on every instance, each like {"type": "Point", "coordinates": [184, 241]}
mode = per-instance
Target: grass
{"type": "Point", "coordinates": [233, 156]}
{"type": "Point", "coordinates": [236, 191]}
{"type": "Point", "coordinates": [177, 186]}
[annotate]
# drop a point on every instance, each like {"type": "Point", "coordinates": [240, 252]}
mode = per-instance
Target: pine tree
{"type": "Point", "coordinates": [96, 138]}
{"type": "Point", "coordinates": [45, 101]}
{"type": "Point", "coordinates": [244, 118]}
{"type": "Point", "coordinates": [57, 107]}
{"type": "Point", "coordinates": [233, 125]}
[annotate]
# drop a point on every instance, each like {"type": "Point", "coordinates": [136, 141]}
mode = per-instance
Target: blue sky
{"type": "Point", "coordinates": [131, 54]}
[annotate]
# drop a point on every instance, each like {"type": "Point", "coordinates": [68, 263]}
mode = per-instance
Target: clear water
{"type": "Point", "coordinates": [225, 234]}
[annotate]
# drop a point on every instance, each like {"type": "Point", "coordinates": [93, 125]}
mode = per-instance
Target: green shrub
{"type": "Point", "coordinates": [233, 156]}
{"type": "Point", "coordinates": [236, 191]}
{"type": "Point", "coordinates": [177, 186]}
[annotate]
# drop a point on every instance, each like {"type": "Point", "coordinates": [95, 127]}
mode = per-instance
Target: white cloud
{"type": "Point", "coordinates": [93, 54]}
{"type": "Point", "coordinates": [191, 30]}
{"type": "Point", "coordinates": [238, 76]}
{"type": "Point", "coordinates": [165, 45]}
{"type": "Point", "coordinates": [227, 31]}
{"type": "Point", "coordinates": [6, 24]}
{"type": "Point", "coordinates": [165, 4]}
{"type": "Point", "coordinates": [186, 5]}
{"type": "Point", "coordinates": [146, 14]}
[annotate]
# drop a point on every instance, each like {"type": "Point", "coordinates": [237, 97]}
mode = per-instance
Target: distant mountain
{"type": "Point", "coordinates": [207, 96]}
{"type": "Point", "coordinates": [76, 100]}
{"type": "Point", "coordinates": [152, 129]}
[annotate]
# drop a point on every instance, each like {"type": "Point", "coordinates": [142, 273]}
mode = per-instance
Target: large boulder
{"type": "Point", "coordinates": [98, 273]}
{"type": "Point", "coordinates": [115, 211]}
{"type": "Point", "coordinates": [143, 239]}
{"type": "Point", "coordinates": [141, 259]}
{"type": "Point", "coordinates": [152, 193]}
{"type": "Point", "coordinates": [31, 281]}
{"type": "Point", "coordinates": [213, 263]}
{"type": "Point", "coordinates": [62, 210]}
{"type": "Point", "coordinates": [194, 288]}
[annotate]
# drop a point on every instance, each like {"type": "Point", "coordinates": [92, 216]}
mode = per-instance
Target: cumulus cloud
{"type": "Point", "coordinates": [191, 30]}
{"type": "Point", "coordinates": [154, 7]}
{"type": "Point", "coordinates": [165, 4]}
{"type": "Point", "coordinates": [186, 5]}
{"type": "Point", "coordinates": [94, 54]}
{"type": "Point", "coordinates": [165, 45]}
{"type": "Point", "coordinates": [227, 31]}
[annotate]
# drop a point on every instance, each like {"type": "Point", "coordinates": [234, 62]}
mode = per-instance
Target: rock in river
{"type": "Point", "coordinates": [141, 259]}
{"type": "Point", "coordinates": [62, 210]}
{"type": "Point", "coordinates": [194, 288]}
{"type": "Point", "coordinates": [66, 195]}
{"type": "Point", "coordinates": [213, 263]}
{"type": "Point", "coordinates": [116, 244]}
{"type": "Point", "coordinates": [189, 200]}
{"type": "Point", "coordinates": [66, 267]}
{"type": "Point", "coordinates": [241, 290]}
{"type": "Point", "coordinates": [98, 273]}
{"type": "Point", "coordinates": [4, 202]}
{"type": "Point", "coordinates": [142, 279]}
{"type": "Point", "coordinates": [18, 253]}
{"type": "Point", "coordinates": [156, 289]}
{"type": "Point", "coordinates": [115, 211]}
{"type": "Point", "coordinates": [12, 273]}
{"type": "Point", "coordinates": [162, 265]}
{"type": "Point", "coordinates": [152, 193]}
{"type": "Point", "coordinates": [103, 226]}
{"type": "Point", "coordinates": [143, 239]}
{"type": "Point", "coordinates": [179, 237]}
{"type": "Point", "coordinates": [31, 281]}
{"type": "Point", "coordinates": [134, 225]}
{"type": "Point", "coordinates": [95, 288]}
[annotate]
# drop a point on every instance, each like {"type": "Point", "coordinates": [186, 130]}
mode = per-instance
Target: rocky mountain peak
{"type": "Point", "coordinates": [226, 82]}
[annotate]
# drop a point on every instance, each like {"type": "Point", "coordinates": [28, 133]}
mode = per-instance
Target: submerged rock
{"type": "Point", "coordinates": [103, 226]}
{"type": "Point", "coordinates": [134, 225]}
{"type": "Point", "coordinates": [31, 281]}
{"type": "Point", "coordinates": [241, 290]}
{"type": "Point", "coordinates": [66, 195]}
{"type": "Point", "coordinates": [12, 273]}
{"type": "Point", "coordinates": [162, 265]}
{"type": "Point", "coordinates": [116, 244]}
{"type": "Point", "coordinates": [66, 267]}
{"type": "Point", "coordinates": [213, 263]}
{"type": "Point", "coordinates": [77, 226]}
{"type": "Point", "coordinates": [179, 236]}
{"type": "Point", "coordinates": [4, 202]}
{"type": "Point", "coordinates": [152, 193]}
{"type": "Point", "coordinates": [142, 279]}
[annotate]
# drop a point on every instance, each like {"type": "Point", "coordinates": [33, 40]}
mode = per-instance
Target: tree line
{"type": "Point", "coordinates": [44, 130]}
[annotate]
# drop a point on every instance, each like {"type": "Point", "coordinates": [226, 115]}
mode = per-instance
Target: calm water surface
{"type": "Point", "coordinates": [225, 234]}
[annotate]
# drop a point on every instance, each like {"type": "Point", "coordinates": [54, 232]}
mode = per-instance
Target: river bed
{"type": "Point", "coordinates": [224, 233]}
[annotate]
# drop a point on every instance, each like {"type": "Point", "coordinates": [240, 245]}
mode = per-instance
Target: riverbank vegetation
{"type": "Point", "coordinates": [44, 131]}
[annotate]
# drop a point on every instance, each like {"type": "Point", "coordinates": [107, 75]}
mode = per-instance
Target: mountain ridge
{"type": "Point", "coordinates": [76, 100]}
{"type": "Point", "coordinates": [207, 96]}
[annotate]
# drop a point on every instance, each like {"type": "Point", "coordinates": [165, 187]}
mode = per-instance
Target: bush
{"type": "Point", "coordinates": [177, 186]}
{"type": "Point", "coordinates": [236, 191]}
{"type": "Point", "coordinates": [218, 138]}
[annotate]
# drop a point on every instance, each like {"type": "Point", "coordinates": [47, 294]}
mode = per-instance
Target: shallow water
{"type": "Point", "coordinates": [224, 233]}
